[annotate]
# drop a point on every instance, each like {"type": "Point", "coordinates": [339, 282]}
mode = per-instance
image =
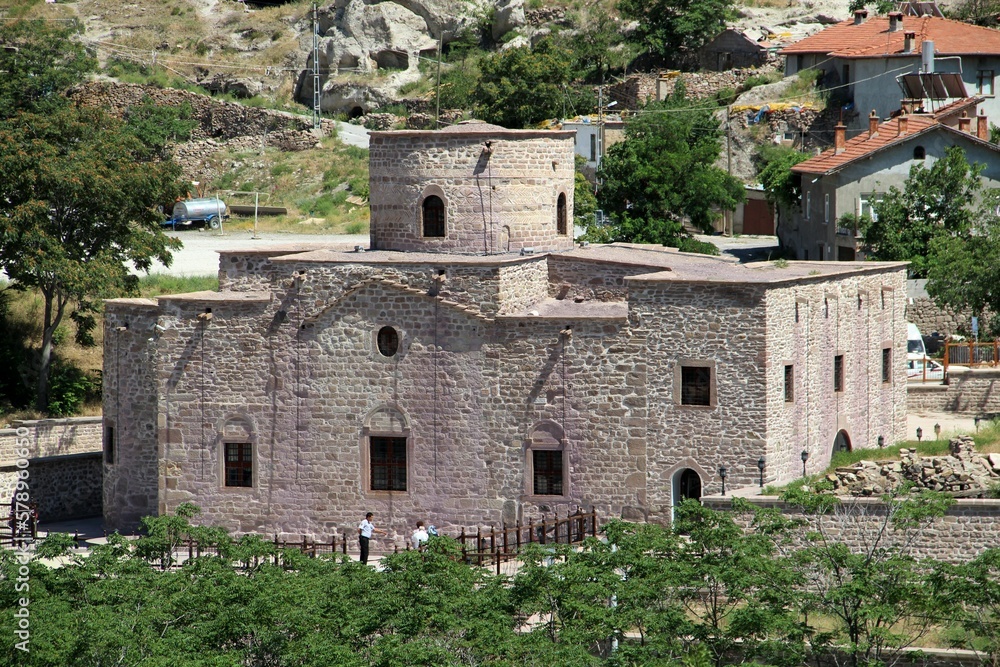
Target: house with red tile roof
{"type": "Point", "coordinates": [853, 174]}
{"type": "Point", "coordinates": [875, 62]}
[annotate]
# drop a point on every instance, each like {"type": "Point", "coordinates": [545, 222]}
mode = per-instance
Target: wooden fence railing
{"type": "Point", "coordinates": [971, 354]}
{"type": "Point", "coordinates": [491, 546]}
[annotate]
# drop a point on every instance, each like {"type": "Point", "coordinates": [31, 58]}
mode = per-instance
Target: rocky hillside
{"type": "Point", "coordinates": [371, 55]}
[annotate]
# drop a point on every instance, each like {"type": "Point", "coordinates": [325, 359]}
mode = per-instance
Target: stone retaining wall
{"type": "Point", "coordinates": [930, 318]}
{"type": "Point", "coordinates": [967, 529]}
{"type": "Point", "coordinates": [217, 119]}
{"type": "Point", "coordinates": [64, 465]}
{"type": "Point", "coordinates": [970, 391]}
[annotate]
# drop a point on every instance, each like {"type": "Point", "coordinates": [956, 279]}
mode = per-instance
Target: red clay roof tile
{"type": "Point", "coordinates": [872, 39]}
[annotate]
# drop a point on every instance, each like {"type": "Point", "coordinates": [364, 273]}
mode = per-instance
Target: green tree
{"type": "Point", "coordinates": [39, 60]}
{"type": "Point", "coordinates": [522, 86]}
{"type": "Point", "coordinates": [663, 173]}
{"type": "Point", "coordinates": [76, 207]}
{"type": "Point", "coordinates": [155, 126]}
{"type": "Point", "coordinates": [963, 270]}
{"type": "Point", "coordinates": [880, 6]}
{"type": "Point", "coordinates": [774, 165]}
{"type": "Point", "coordinates": [934, 202]}
{"type": "Point", "coordinates": [675, 29]}
{"type": "Point", "coordinates": [599, 47]}
{"type": "Point", "coordinates": [876, 591]}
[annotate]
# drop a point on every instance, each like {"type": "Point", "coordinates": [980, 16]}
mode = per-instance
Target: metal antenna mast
{"type": "Point", "coordinates": [316, 90]}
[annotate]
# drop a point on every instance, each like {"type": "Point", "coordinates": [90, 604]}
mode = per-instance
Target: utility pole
{"type": "Point", "coordinates": [600, 124]}
{"type": "Point", "coordinates": [437, 87]}
{"type": "Point", "coordinates": [729, 167]}
{"type": "Point", "coordinates": [316, 91]}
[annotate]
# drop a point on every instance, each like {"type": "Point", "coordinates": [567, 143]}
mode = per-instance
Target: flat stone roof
{"type": "Point", "coordinates": [124, 301]}
{"type": "Point", "coordinates": [287, 248]}
{"type": "Point", "coordinates": [222, 297]}
{"type": "Point", "coordinates": [334, 256]}
{"type": "Point", "coordinates": [569, 309]}
{"type": "Point", "coordinates": [765, 272]}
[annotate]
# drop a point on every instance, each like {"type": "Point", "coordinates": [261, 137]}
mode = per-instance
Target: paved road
{"type": "Point", "coordinates": [200, 257]}
{"type": "Point", "coordinates": [354, 135]}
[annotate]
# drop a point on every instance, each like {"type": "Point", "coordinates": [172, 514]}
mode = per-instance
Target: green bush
{"type": "Point", "coordinates": [69, 388]}
{"type": "Point", "coordinates": [691, 244]}
{"type": "Point", "coordinates": [356, 227]}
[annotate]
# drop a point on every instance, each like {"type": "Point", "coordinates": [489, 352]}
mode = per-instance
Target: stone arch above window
{"type": "Point", "coordinates": [561, 214]}
{"type": "Point", "coordinates": [237, 428]}
{"type": "Point", "coordinates": [386, 419]}
{"type": "Point", "coordinates": [433, 214]}
{"type": "Point", "coordinates": [238, 453]}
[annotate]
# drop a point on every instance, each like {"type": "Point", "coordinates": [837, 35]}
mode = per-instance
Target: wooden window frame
{"type": "Point", "coordinates": [679, 392]}
{"type": "Point", "coordinates": [393, 484]}
{"type": "Point", "coordinates": [556, 467]}
{"type": "Point", "coordinates": [242, 466]}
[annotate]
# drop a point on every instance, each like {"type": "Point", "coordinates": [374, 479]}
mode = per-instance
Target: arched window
{"type": "Point", "coordinates": [546, 461]}
{"type": "Point", "coordinates": [561, 214]}
{"type": "Point", "coordinates": [919, 153]}
{"type": "Point", "coordinates": [433, 216]}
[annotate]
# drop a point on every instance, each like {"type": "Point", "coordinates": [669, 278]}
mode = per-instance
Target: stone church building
{"type": "Point", "coordinates": [475, 365]}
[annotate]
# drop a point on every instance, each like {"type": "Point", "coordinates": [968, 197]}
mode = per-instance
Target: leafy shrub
{"type": "Point", "coordinates": [356, 227]}
{"type": "Point", "coordinates": [69, 388]}
{"type": "Point", "coordinates": [280, 170]}
{"type": "Point", "coordinates": [725, 96]}
{"type": "Point", "coordinates": [691, 244]}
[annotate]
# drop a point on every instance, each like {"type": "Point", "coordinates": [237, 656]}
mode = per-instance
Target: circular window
{"type": "Point", "coordinates": [387, 341]}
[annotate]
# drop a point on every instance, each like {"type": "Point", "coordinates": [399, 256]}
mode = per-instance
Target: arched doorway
{"type": "Point", "coordinates": [686, 484]}
{"type": "Point", "coordinates": [842, 443]}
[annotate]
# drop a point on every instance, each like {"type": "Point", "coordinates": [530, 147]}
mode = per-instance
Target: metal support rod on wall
{"type": "Point", "coordinates": [316, 91]}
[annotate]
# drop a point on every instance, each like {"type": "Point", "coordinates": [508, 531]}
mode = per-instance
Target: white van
{"type": "Point", "coordinates": [914, 342]}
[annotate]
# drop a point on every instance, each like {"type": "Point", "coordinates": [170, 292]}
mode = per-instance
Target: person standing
{"type": "Point", "coordinates": [419, 537]}
{"type": "Point", "coordinates": [365, 531]}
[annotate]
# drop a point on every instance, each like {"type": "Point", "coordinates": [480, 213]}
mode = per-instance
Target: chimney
{"type": "Point", "coordinates": [908, 39]}
{"type": "Point", "coordinates": [895, 21]}
{"type": "Point", "coordinates": [964, 122]}
{"type": "Point", "coordinates": [982, 126]}
{"type": "Point", "coordinates": [902, 124]}
{"type": "Point", "coordinates": [839, 138]}
{"type": "Point", "coordinates": [860, 15]}
{"type": "Point", "coordinates": [873, 124]}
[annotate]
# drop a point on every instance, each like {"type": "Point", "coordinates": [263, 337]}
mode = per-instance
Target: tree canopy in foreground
{"type": "Point", "coordinates": [718, 588]}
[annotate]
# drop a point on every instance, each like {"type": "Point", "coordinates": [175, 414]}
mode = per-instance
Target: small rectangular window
{"type": "Point", "coordinates": [239, 464]}
{"type": "Point", "coordinates": [789, 383]}
{"type": "Point", "coordinates": [796, 311]}
{"type": "Point", "coordinates": [809, 200]}
{"type": "Point", "coordinates": [696, 385]}
{"type": "Point", "coordinates": [593, 148]}
{"type": "Point", "coordinates": [984, 82]}
{"type": "Point", "coordinates": [547, 472]}
{"type": "Point", "coordinates": [387, 460]}
{"type": "Point", "coordinates": [109, 444]}
{"type": "Point", "coordinates": [887, 364]}
{"type": "Point", "coordinates": [838, 373]}
{"type": "Point", "coordinates": [826, 208]}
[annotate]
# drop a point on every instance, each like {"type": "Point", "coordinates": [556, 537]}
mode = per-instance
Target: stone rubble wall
{"type": "Point", "coordinates": [929, 317]}
{"type": "Point", "coordinates": [217, 119]}
{"type": "Point", "coordinates": [53, 437]}
{"type": "Point", "coordinates": [968, 528]}
{"type": "Point", "coordinates": [964, 472]}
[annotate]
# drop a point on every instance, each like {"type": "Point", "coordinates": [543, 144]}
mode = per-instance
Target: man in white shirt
{"type": "Point", "coordinates": [365, 530]}
{"type": "Point", "coordinates": [420, 536]}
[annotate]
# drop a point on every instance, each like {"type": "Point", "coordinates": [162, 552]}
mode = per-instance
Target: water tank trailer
{"type": "Point", "coordinates": [207, 210]}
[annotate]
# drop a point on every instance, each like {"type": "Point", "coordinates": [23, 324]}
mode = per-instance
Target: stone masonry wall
{"type": "Point", "coordinates": [929, 318]}
{"type": "Point", "coordinates": [498, 201]}
{"type": "Point", "coordinates": [968, 528]}
{"type": "Point", "coordinates": [64, 471]}
{"type": "Point", "coordinates": [974, 391]}
{"type": "Point", "coordinates": [688, 324]}
{"type": "Point", "coordinates": [591, 280]}
{"type": "Point", "coordinates": [808, 325]}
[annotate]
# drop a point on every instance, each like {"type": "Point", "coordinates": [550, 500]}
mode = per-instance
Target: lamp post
{"type": "Point", "coordinates": [937, 431]}
{"type": "Point", "coordinates": [920, 434]}
{"type": "Point", "coordinates": [881, 442]}
{"type": "Point", "coordinates": [805, 457]}
{"type": "Point", "coordinates": [722, 474]}
{"type": "Point", "coordinates": [760, 466]}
